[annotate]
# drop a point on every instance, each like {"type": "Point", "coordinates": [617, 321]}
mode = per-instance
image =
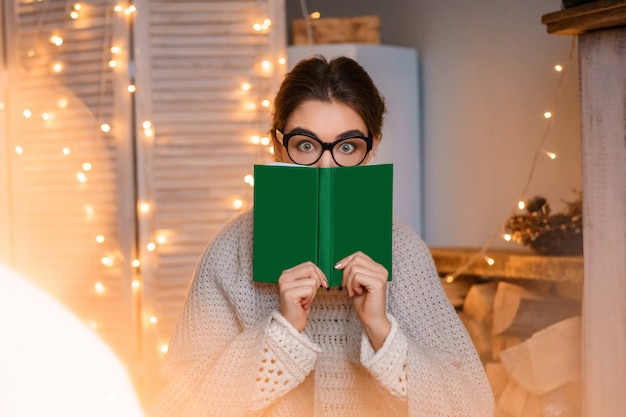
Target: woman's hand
{"type": "Point", "coordinates": [366, 283]}
{"type": "Point", "coordinates": [298, 287]}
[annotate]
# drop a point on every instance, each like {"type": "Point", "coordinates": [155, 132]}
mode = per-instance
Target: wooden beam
{"type": "Point", "coordinates": [602, 14]}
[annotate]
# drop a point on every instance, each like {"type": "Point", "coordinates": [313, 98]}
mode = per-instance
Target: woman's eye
{"type": "Point", "coordinates": [347, 148]}
{"type": "Point", "coordinates": [305, 146]}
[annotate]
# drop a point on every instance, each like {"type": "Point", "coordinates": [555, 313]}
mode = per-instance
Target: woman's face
{"type": "Point", "coordinates": [328, 122]}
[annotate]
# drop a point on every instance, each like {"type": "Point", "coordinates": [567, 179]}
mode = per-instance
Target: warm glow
{"type": "Point", "coordinates": [118, 8]}
{"type": "Point", "coordinates": [489, 260]}
{"type": "Point", "coordinates": [131, 88]}
{"type": "Point", "coordinates": [265, 103]}
{"type": "Point", "coordinates": [315, 15]}
{"type": "Point", "coordinates": [27, 113]}
{"type": "Point", "coordinates": [144, 207]}
{"type": "Point", "coordinates": [558, 68]}
{"type": "Point", "coordinates": [251, 106]}
{"type": "Point", "coordinates": [148, 132]}
{"type": "Point", "coordinates": [100, 238]}
{"type": "Point", "coordinates": [107, 261]}
{"type": "Point", "coordinates": [271, 150]}
{"type": "Point", "coordinates": [449, 279]}
{"type": "Point", "coordinates": [161, 239]}
{"type": "Point", "coordinates": [153, 319]}
{"type": "Point", "coordinates": [66, 151]}
{"type": "Point", "coordinates": [74, 14]}
{"type": "Point", "coordinates": [547, 115]}
{"type": "Point", "coordinates": [112, 63]}
{"type": "Point", "coordinates": [267, 66]}
{"type": "Point", "coordinates": [116, 49]}
{"type": "Point", "coordinates": [81, 177]}
{"type": "Point", "coordinates": [521, 204]}
{"type": "Point", "coordinates": [237, 203]}
{"type": "Point", "coordinates": [135, 263]}
{"type": "Point", "coordinates": [551, 155]}
{"type": "Point", "coordinates": [62, 103]}
{"type": "Point", "coordinates": [19, 150]}
{"type": "Point", "coordinates": [255, 139]}
{"type": "Point", "coordinates": [89, 211]}
{"type": "Point", "coordinates": [105, 127]}
{"type": "Point", "coordinates": [99, 287]}
{"type": "Point", "coordinates": [56, 365]}
{"type": "Point", "coordinates": [151, 246]}
{"type": "Point", "coordinates": [246, 86]}
{"type": "Point", "coordinates": [77, 6]}
{"type": "Point", "coordinates": [282, 61]}
{"type": "Point", "coordinates": [52, 363]}
{"type": "Point", "coordinates": [147, 124]}
{"type": "Point", "coordinates": [249, 179]}
{"type": "Point", "coordinates": [136, 284]}
{"type": "Point", "coordinates": [86, 166]}
{"type": "Point", "coordinates": [163, 348]}
{"type": "Point", "coordinates": [56, 40]}
{"type": "Point", "coordinates": [57, 67]}
{"type": "Point", "coordinates": [265, 141]}
{"type": "Point", "coordinates": [507, 237]}
{"type": "Point", "coordinates": [130, 10]}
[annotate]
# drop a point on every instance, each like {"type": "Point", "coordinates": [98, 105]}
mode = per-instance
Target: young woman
{"type": "Point", "coordinates": [368, 348]}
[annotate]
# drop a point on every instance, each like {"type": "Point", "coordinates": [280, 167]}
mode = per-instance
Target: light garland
{"type": "Point", "coordinates": [521, 204]}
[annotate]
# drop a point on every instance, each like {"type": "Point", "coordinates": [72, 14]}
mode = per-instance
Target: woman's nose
{"type": "Point", "coordinates": [326, 160]}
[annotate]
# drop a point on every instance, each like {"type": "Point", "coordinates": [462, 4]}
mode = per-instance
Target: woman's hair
{"type": "Point", "coordinates": [342, 80]}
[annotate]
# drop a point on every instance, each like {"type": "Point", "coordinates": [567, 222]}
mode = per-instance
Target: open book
{"type": "Point", "coordinates": [320, 215]}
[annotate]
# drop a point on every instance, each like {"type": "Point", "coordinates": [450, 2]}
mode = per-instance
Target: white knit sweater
{"type": "Point", "coordinates": [233, 354]}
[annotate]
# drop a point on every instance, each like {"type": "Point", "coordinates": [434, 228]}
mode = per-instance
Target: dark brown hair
{"type": "Point", "coordinates": [342, 79]}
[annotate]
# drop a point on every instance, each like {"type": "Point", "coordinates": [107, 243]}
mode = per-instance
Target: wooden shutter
{"type": "Point", "coordinates": [193, 58]}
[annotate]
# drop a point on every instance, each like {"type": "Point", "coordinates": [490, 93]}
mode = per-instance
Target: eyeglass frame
{"type": "Point", "coordinates": [326, 146]}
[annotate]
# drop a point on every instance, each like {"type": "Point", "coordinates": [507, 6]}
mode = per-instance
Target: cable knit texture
{"type": "Point", "coordinates": [233, 354]}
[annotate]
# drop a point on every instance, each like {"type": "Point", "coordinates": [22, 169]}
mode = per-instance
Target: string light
{"type": "Point", "coordinates": [521, 204]}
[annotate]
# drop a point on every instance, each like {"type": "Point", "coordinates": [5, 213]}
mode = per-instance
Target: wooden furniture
{"type": "Point", "coordinates": [601, 30]}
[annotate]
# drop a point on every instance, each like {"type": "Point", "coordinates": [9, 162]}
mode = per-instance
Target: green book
{"type": "Point", "coordinates": [320, 215]}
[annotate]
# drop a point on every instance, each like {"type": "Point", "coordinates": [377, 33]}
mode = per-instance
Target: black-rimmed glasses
{"type": "Point", "coordinates": [306, 149]}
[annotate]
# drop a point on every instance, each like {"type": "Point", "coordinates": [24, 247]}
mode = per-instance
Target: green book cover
{"type": "Point", "coordinates": [320, 215]}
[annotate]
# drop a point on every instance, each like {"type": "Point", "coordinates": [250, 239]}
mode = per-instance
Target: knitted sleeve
{"type": "Point", "coordinates": [444, 374]}
{"type": "Point", "coordinates": [231, 354]}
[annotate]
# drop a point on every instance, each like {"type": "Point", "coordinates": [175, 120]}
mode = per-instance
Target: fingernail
{"type": "Point", "coordinates": [338, 265]}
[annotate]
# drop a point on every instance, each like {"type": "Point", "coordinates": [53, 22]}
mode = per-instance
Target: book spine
{"type": "Point", "coordinates": [325, 240]}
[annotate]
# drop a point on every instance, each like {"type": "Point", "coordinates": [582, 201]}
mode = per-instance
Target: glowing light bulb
{"type": "Point", "coordinates": [521, 204]}
{"type": "Point", "coordinates": [161, 239]}
{"type": "Point", "coordinates": [249, 179]}
{"type": "Point", "coordinates": [550, 155]}
{"type": "Point", "coordinates": [112, 63]}
{"type": "Point", "coordinates": [19, 150]}
{"type": "Point", "coordinates": [30, 53]}
{"type": "Point", "coordinates": [100, 238]}
{"type": "Point", "coordinates": [255, 139]}
{"type": "Point", "coordinates": [135, 263]}
{"type": "Point", "coordinates": [315, 15]}
{"type": "Point", "coordinates": [265, 103]}
{"type": "Point", "coordinates": [267, 66]}
{"type": "Point", "coordinates": [107, 261]}
{"type": "Point", "coordinates": [271, 150]}
{"type": "Point", "coordinates": [237, 203]}
{"type": "Point", "coordinates": [118, 8]}
{"type": "Point", "coordinates": [449, 278]}
{"type": "Point", "coordinates": [153, 319]}
{"type": "Point", "coordinates": [116, 49]}
{"type": "Point", "coordinates": [147, 124]}
{"type": "Point", "coordinates": [66, 151]}
{"type": "Point", "coordinates": [148, 132]}
{"type": "Point", "coordinates": [265, 141]}
{"type": "Point", "coordinates": [507, 237]}
{"type": "Point", "coordinates": [56, 40]}
{"type": "Point", "coordinates": [547, 115]}
{"type": "Point", "coordinates": [257, 27]}
{"type": "Point", "coordinates": [62, 103]}
{"type": "Point", "coordinates": [136, 284]}
{"type": "Point", "coordinates": [151, 246]}
{"type": "Point", "coordinates": [74, 14]}
{"type": "Point", "coordinates": [105, 127]}
{"type": "Point", "coordinates": [131, 88]}
{"type": "Point", "coordinates": [163, 348]}
{"type": "Point", "coordinates": [282, 61]}
{"type": "Point", "coordinates": [87, 166]}
{"type": "Point", "coordinates": [558, 68]}
{"type": "Point", "coordinates": [489, 260]}
{"type": "Point", "coordinates": [130, 9]}
{"type": "Point", "coordinates": [57, 67]}
{"type": "Point", "coordinates": [144, 207]}
{"type": "Point", "coordinates": [99, 287]}
{"type": "Point", "coordinates": [89, 211]}
{"type": "Point", "coordinates": [27, 113]}
{"type": "Point", "coordinates": [251, 106]}
{"type": "Point", "coordinates": [81, 177]}
{"type": "Point", "coordinates": [46, 116]}
{"type": "Point", "coordinates": [78, 6]}
{"type": "Point", "coordinates": [246, 86]}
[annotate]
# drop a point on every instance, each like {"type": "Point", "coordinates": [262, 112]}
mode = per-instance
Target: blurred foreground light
{"type": "Point", "coordinates": [54, 364]}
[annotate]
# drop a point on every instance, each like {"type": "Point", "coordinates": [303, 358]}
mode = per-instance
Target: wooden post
{"type": "Point", "coordinates": [601, 28]}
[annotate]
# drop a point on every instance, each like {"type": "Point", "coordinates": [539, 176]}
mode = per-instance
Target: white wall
{"type": "Point", "coordinates": [487, 78]}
